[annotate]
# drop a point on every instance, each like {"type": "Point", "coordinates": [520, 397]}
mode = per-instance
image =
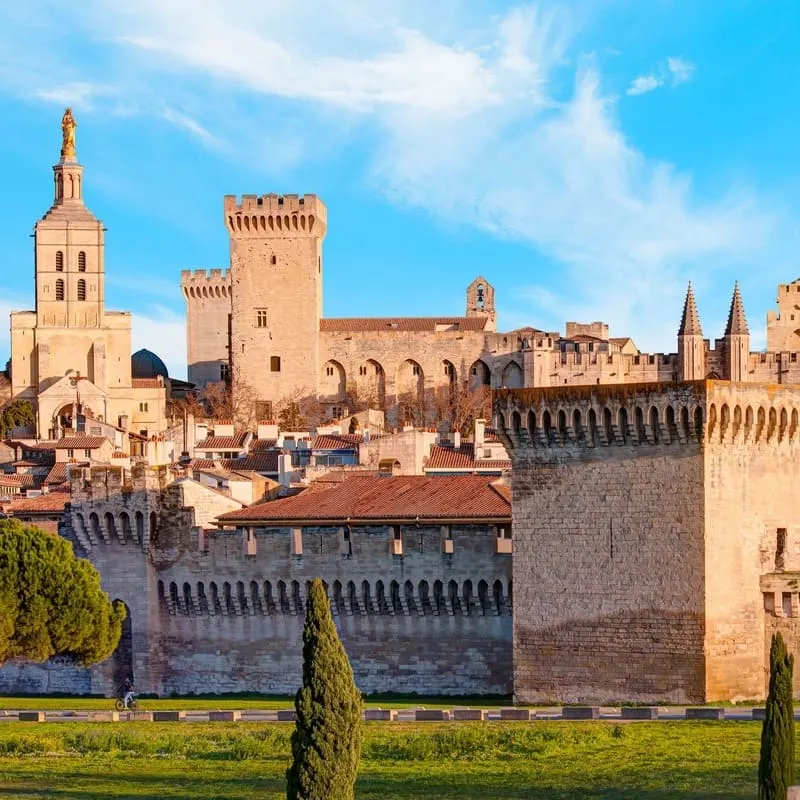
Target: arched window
{"type": "Point", "coordinates": [480, 295]}
{"type": "Point", "coordinates": [202, 599]}
{"type": "Point", "coordinates": [59, 289]}
{"type": "Point", "coordinates": [59, 261]}
{"type": "Point", "coordinates": [81, 261]}
{"type": "Point", "coordinates": [81, 289]}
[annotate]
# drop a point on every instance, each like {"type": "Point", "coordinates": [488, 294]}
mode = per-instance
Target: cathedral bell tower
{"type": "Point", "coordinates": [69, 248]}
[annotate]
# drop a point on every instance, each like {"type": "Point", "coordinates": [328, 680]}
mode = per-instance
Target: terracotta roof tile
{"type": "Point", "coordinates": [408, 324]}
{"type": "Point", "coordinates": [266, 461]}
{"type": "Point", "coordinates": [235, 442]}
{"type": "Point", "coordinates": [11, 480]}
{"type": "Point", "coordinates": [80, 442]}
{"type": "Point", "coordinates": [58, 474]}
{"type": "Point", "coordinates": [257, 445]}
{"type": "Point", "coordinates": [360, 499]}
{"type": "Point", "coordinates": [331, 441]}
{"type": "Point", "coordinates": [146, 383]}
{"type": "Point", "coordinates": [462, 459]}
{"type": "Point", "coordinates": [53, 501]}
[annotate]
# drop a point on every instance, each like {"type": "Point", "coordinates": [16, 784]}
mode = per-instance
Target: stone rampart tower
{"type": "Point", "coordinates": [276, 276]}
{"type": "Point", "coordinates": [208, 313]}
{"type": "Point", "coordinates": [656, 538]}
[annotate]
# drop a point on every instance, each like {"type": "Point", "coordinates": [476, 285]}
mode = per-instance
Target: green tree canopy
{"type": "Point", "coordinates": [326, 743]}
{"type": "Point", "coordinates": [17, 414]}
{"type": "Point", "coordinates": [51, 602]}
{"type": "Point", "coordinates": [776, 765]}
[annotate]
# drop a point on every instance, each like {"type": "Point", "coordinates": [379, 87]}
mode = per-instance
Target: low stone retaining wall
{"type": "Point", "coordinates": [510, 714]}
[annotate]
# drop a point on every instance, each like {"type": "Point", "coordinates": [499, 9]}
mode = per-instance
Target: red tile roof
{"type": "Point", "coordinates": [11, 480]}
{"type": "Point", "coordinates": [80, 442]}
{"type": "Point", "coordinates": [235, 442]}
{"type": "Point", "coordinates": [266, 461]}
{"type": "Point", "coordinates": [408, 324]}
{"type": "Point", "coordinates": [257, 445]}
{"type": "Point", "coordinates": [470, 498]}
{"type": "Point", "coordinates": [53, 501]}
{"type": "Point", "coordinates": [58, 474]}
{"type": "Point", "coordinates": [335, 441]}
{"type": "Point", "coordinates": [462, 459]}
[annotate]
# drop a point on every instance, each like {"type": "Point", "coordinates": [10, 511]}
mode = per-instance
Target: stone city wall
{"type": "Point", "coordinates": [608, 542]}
{"type": "Point", "coordinates": [752, 529]}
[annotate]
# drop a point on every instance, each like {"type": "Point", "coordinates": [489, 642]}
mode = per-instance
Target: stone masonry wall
{"type": "Point", "coordinates": [752, 473]}
{"type": "Point", "coordinates": [608, 528]}
{"type": "Point", "coordinates": [223, 612]}
{"type": "Point", "coordinates": [426, 622]}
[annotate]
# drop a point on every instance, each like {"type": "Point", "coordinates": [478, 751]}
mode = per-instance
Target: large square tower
{"type": "Point", "coordinates": [656, 538]}
{"type": "Point", "coordinates": [276, 303]}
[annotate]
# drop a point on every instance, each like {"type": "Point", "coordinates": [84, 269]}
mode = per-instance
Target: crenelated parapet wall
{"type": "Point", "coordinates": [206, 284]}
{"type": "Point", "coordinates": [276, 216]}
{"type": "Point", "coordinates": [111, 504]}
{"type": "Point", "coordinates": [582, 419]}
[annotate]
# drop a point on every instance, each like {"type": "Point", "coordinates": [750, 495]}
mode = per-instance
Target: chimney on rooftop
{"type": "Point", "coordinates": [480, 434]}
{"type": "Point", "coordinates": [457, 440]}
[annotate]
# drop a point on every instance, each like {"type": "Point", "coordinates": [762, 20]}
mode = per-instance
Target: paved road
{"type": "Point", "coordinates": [608, 713]}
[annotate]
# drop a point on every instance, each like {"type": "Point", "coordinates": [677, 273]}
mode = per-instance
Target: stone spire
{"type": "Point", "coordinates": [737, 322]}
{"type": "Point", "coordinates": [690, 321]}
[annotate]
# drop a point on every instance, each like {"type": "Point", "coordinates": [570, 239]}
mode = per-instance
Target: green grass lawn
{"type": "Point", "coordinates": [231, 702]}
{"type": "Point", "coordinates": [491, 761]}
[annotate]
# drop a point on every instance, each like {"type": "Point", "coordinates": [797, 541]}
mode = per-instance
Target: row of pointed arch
{"type": "Point", "coordinates": [124, 528]}
{"type": "Point", "coordinates": [216, 290]}
{"type": "Point", "coordinates": [604, 426]}
{"type": "Point", "coordinates": [391, 598]}
{"type": "Point", "coordinates": [271, 222]}
{"type": "Point", "coordinates": [752, 424]}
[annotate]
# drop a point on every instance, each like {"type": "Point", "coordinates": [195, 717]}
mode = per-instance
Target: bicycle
{"type": "Point", "coordinates": [120, 704]}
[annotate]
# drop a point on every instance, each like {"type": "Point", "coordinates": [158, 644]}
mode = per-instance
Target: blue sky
{"type": "Point", "coordinates": [588, 158]}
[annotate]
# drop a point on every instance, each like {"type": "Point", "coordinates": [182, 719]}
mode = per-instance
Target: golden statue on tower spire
{"type": "Point", "coordinates": [68, 126]}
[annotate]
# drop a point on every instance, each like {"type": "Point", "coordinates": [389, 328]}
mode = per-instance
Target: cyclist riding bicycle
{"type": "Point", "coordinates": [128, 691]}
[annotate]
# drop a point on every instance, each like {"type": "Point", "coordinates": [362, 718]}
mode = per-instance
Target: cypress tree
{"type": "Point", "coordinates": [776, 765]}
{"type": "Point", "coordinates": [326, 743]}
{"type": "Point", "coordinates": [51, 603]}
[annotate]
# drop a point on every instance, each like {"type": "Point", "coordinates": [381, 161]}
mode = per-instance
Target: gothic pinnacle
{"type": "Point", "coordinates": [690, 321]}
{"type": "Point", "coordinates": [737, 322]}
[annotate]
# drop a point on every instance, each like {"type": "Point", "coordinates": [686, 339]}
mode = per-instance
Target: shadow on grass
{"type": "Point", "coordinates": [71, 785]}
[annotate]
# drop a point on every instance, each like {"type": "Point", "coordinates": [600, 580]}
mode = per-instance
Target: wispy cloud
{"type": "Point", "coordinates": [470, 122]}
{"type": "Point", "coordinates": [674, 71]}
{"type": "Point", "coordinates": [75, 93]}
{"type": "Point", "coordinates": [681, 70]}
{"type": "Point", "coordinates": [644, 84]}
{"type": "Point", "coordinates": [186, 122]}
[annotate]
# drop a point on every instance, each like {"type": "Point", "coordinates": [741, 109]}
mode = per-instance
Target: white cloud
{"type": "Point", "coordinates": [465, 117]}
{"type": "Point", "coordinates": [186, 122]}
{"type": "Point", "coordinates": [676, 71]}
{"type": "Point", "coordinates": [644, 84]}
{"type": "Point", "coordinates": [681, 70]}
{"type": "Point", "coordinates": [74, 93]}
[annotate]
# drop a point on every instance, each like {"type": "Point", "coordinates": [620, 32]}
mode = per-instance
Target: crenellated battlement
{"type": "Point", "coordinates": [273, 215]}
{"type": "Point", "coordinates": [202, 283]}
{"type": "Point", "coordinates": [601, 416]}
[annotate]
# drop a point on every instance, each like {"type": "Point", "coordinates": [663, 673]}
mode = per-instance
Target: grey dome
{"type": "Point", "coordinates": [146, 364]}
